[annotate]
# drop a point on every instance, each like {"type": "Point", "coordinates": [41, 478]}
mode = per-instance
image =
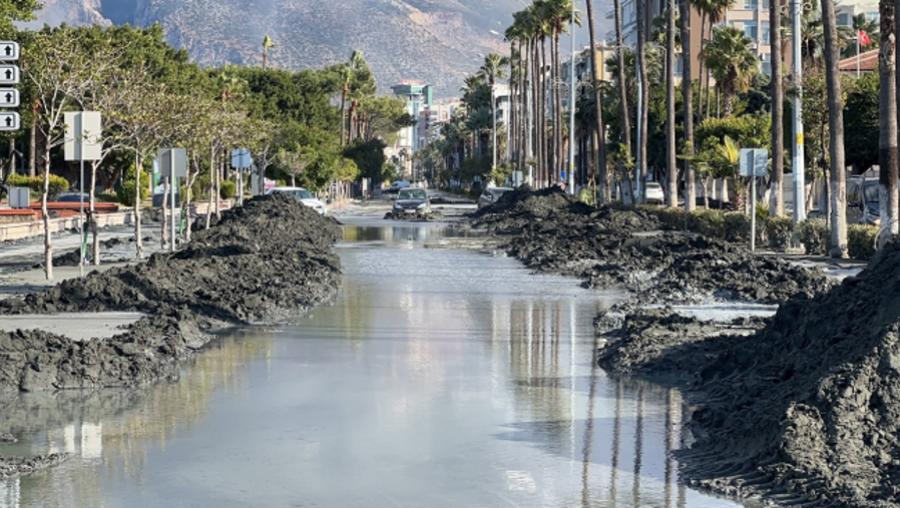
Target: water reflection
{"type": "Point", "coordinates": [439, 378]}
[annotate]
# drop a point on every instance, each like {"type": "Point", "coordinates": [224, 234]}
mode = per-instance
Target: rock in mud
{"type": "Point", "coordinates": [265, 261]}
{"type": "Point", "coordinates": [16, 466]}
{"type": "Point", "coordinates": [806, 410]}
{"type": "Point", "coordinates": [8, 438]}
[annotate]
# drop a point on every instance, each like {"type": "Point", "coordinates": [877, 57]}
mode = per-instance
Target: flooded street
{"type": "Point", "coordinates": [439, 378]}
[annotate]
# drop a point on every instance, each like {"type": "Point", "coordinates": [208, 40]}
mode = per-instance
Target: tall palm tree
{"type": "Point", "coordinates": [887, 140]}
{"type": "Point", "coordinates": [730, 57]}
{"type": "Point", "coordinates": [776, 204]}
{"type": "Point", "coordinates": [687, 99]}
{"type": "Point", "coordinates": [712, 12]}
{"type": "Point", "coordinates": [623, 91]}
{"type": "Point", "coordinates": [836, 126]}
{"type": "Point", "coordinates": [643, 110]}
{"type": "Point", "coordinates": [599, 130]}
{"type": "Point", "coordinates": [493, 69]}
{"type": "Point", "coordinates": [671, 149]}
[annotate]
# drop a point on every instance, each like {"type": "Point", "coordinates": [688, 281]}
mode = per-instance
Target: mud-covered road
{"type": "Point", "coordinates": [440, 377]}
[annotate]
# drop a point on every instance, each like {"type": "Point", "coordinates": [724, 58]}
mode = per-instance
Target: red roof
{"type": "Point", "coordinates": [868, 62]}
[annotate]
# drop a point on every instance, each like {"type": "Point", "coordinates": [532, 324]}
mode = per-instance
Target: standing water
{"type": "Point", "coordinates": [440, 378]}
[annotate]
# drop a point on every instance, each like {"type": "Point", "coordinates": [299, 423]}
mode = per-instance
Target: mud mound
{"type": "Point", "coordinates": [261, 262]}
{"type": "Point", "coordinates": [807, 409]}
{"type": "Point", "coordinates": [15, 467]}
{"type": "Point", "coordinates": [550, 231]}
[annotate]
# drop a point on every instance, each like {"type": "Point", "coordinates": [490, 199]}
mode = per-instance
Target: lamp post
{"type": "Point", "coordinates": [798, 163]}
{"type": "Point", "coordinates": [572, 85]}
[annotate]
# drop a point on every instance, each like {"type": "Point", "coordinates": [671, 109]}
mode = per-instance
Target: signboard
{"type": "Point", "coordinates": [169, 158]}
{"type": "Point", "coordinates": [9, 98]}
{"type": "Point", "coordinates": [9, 74]}
{"type": "Point", "coordinates": [10, 121]}
{"type": "Point", "coordinates": [754, 162]}
{"type": "Point", "coordinates": [84, 136]}
{"type": "Point", "coordinates": [241, 159]}
{"type": "Point", "coordinates": [9, 51]}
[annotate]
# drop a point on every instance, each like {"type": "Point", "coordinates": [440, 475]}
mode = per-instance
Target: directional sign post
{"type": "Point", "coordinates": [172, 164]}
{"type": "Point", "coordinates": [83, 142]}
{"type": "Point", "coordinates": [10, 121]}
{"type": "Point", "coordinates": [241, 159]}
{"type": "Point", "coordinates": [9, 98]}
{"type": "Point", "coordinates": [754, 164]}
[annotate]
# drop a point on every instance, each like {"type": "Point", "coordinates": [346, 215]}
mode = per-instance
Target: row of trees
{"type": "Point", "coordinates": [631, 129]}
{"type": "Point", "coordinates": [297, 124]}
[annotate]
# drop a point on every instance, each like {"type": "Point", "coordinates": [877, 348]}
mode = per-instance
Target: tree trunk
{"type": "Point", "coordinates": [212, 186]}
{"type": "Point", "coordinates": [643, 114]}
{"type": "Point", "coordinates": [600, 175]}
{"type": "Point", "coordinates": [702, 83]}
{"type": "Point", "coordinates": [671, 148]}
{"type": "Point", "coordinates": [836, 125]}
{"type": "Point", "coordinates": [138, 241]}
{"type": "Point", "coordinates": [165, 214]}
{"type": "Point", "coordinates": [623, 91]}
{"type": "Point", "coordinates": [343, 114]}
{"type": "Point", "coordinates": [95, 237]}
{"type": "Point", "coordinates": [893, 204]}
{"type": "Point", "coordinates": [687, 97]}
{"type": "Point", "coordinates": [48, 241]}
{"type": "Point", "coordinates": [32, 149]}
{"type": "Point", "coordinates": [219, 173]}
{"type": "Point", "coordinates": [776, 202]}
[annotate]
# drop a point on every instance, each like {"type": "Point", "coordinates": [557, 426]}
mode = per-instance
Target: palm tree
{"type": "Point", "coordinates": [776, 204]}
{"type": "Point", "coordinates": [730, 57]}
{"type": "Point", "coordinates": [600, 131]}
{"type": "Point", "coordinates": [687, 96]}
{"type": "Point", "coordinates": [643, 110]}
{"type": "Point", "coordinates": [887, 140]}
{"type": "Point", "coordinates": [711, 12]}
{"type": "Point", "coordinates": [671, 161]}
{"type": "Point", "coordinates": [836, 126]}
{"type": "Point", "coordinates": [623, 91]}
{"type": "Point", "coordinates": [494, 68]}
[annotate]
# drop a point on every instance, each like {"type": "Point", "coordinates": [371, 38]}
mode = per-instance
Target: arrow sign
{"type": "Point", "coordinates": [9, 51]}
{"type": "Point", "coordinates": [9, 98]}
{"type": "Point", "coordinates": [9, 74]}
{"type": "Point", "coordinates": [10, 121]}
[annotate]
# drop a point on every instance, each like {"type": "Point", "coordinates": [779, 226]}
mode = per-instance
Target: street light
{"type": "Point", "coordinates": [798, 163]}
{"type": "Point", "coordinates": [571, 182]}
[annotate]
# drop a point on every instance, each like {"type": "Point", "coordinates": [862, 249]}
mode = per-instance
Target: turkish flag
{"type": "Point", "coordinates": [864, 39]}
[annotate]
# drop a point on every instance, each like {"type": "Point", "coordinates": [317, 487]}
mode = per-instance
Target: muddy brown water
{"type": "Point", "coordinates": [440, 378]}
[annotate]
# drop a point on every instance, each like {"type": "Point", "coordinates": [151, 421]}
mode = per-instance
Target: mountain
{"type": "Point", "coordinates": [437, 41]}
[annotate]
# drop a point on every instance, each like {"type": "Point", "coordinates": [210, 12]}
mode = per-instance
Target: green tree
{"type": "Point", "coordinates": [733, 62]}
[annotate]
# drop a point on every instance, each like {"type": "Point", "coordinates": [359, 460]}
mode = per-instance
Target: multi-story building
{"type": "Point", "coordinates": [434, 117]}
{"type": "Point", "coordinates": [418, 97]}
{"type": "Point", "coordinates": [749, 16]}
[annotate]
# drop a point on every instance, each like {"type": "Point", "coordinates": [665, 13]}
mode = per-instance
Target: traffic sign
{"type": "Point", "coordinates": [172, 157]}
{"type": "Point", "coordinates": [84, 136]}
{"type": "Point", "coordinates": [9, 98]}
{"type": "Point", "coordinates": [9, 74]}
{"type": "Point", "coordinates": [754, 162]}
{"type": "Point", "coordinates": [241, 159]}
{"type": "Point", "coordinates": [9, 51]}
{"type": "Point", "coordinates": [10, 121]}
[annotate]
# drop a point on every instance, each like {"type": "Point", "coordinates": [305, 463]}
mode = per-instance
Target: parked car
{"type": "Point", "coordinates": [397, 186]}
{"type": "Point", "coordinates": [72, 197]}
{"type": "Point", "coordinates": [653, 193]}
{"type": "Point", "coordinates": [304, 196]}
{"type": "Point", "coordinates": [412, 201]}
{"type": "Point", "coordinates": [491, 196]}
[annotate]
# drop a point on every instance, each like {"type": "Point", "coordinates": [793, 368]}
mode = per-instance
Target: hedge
{"type": "Point", "coordinates": [861, 241]}
{"type": "Point", "coordinates": [58, 184]}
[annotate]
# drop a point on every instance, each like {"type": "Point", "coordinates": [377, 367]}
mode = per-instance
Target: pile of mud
{"type": "Point", "coordinates": [19, 466]}
{"type": "Point", "coordinates": [807, 410]}
{"type": "Point", "coordinates": [264, 261]}
{"type": "Point", "coordinates": [611, 247]}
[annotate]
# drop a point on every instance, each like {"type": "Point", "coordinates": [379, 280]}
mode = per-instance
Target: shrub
{"type": "Point", "coordinates": [861, 241]}
{"type": "Point", "coordinates": [708, 223]}
{"type": "Point", "coordinates": [58, 184]}
{"type": "Point", "coordinates": [813, 235]}
{"type": "Point", "coordinates": [737, 227]}
{"type": "Point", "coordinates": [227, 189]}
{"type": "Point", "coordinates": [779, 231]}
{"type": "Point", "coordinates": [587, 196]}
{"type": "Point", "coordinates": [125, 191]}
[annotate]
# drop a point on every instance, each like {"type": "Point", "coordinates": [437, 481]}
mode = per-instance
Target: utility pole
{"type": "Point", "coordinates": [573, 85]}
{"type": "Point", "coordinates": [799, 163]}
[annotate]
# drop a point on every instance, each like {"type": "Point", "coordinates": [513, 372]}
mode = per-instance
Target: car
{"type": "Point", "coordinates": [491, 196]}
{"type": "Point", "coordinates": [304, 196]}
{"type": "Point", "coordinates": [653, 193]}
{"type": "Point", "coordinates": [412, 202]}
{"type": "Point", "coordinates": [397, 186]}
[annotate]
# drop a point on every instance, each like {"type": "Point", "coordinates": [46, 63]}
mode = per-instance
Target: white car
{"type": "Point", "coordinates": [654, 193]}
{"type": "Point", "coordinates": [304, 196]}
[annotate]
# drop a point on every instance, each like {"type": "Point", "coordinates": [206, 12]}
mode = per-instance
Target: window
{"type": "Point", "coordinates": [751, 30]}
{"type": "Point", "coordinates": [843, 19]}
{"type": "Point", "coordinates": [751, 4]}
{"type": "Point", "coordinates": [766, 33]}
